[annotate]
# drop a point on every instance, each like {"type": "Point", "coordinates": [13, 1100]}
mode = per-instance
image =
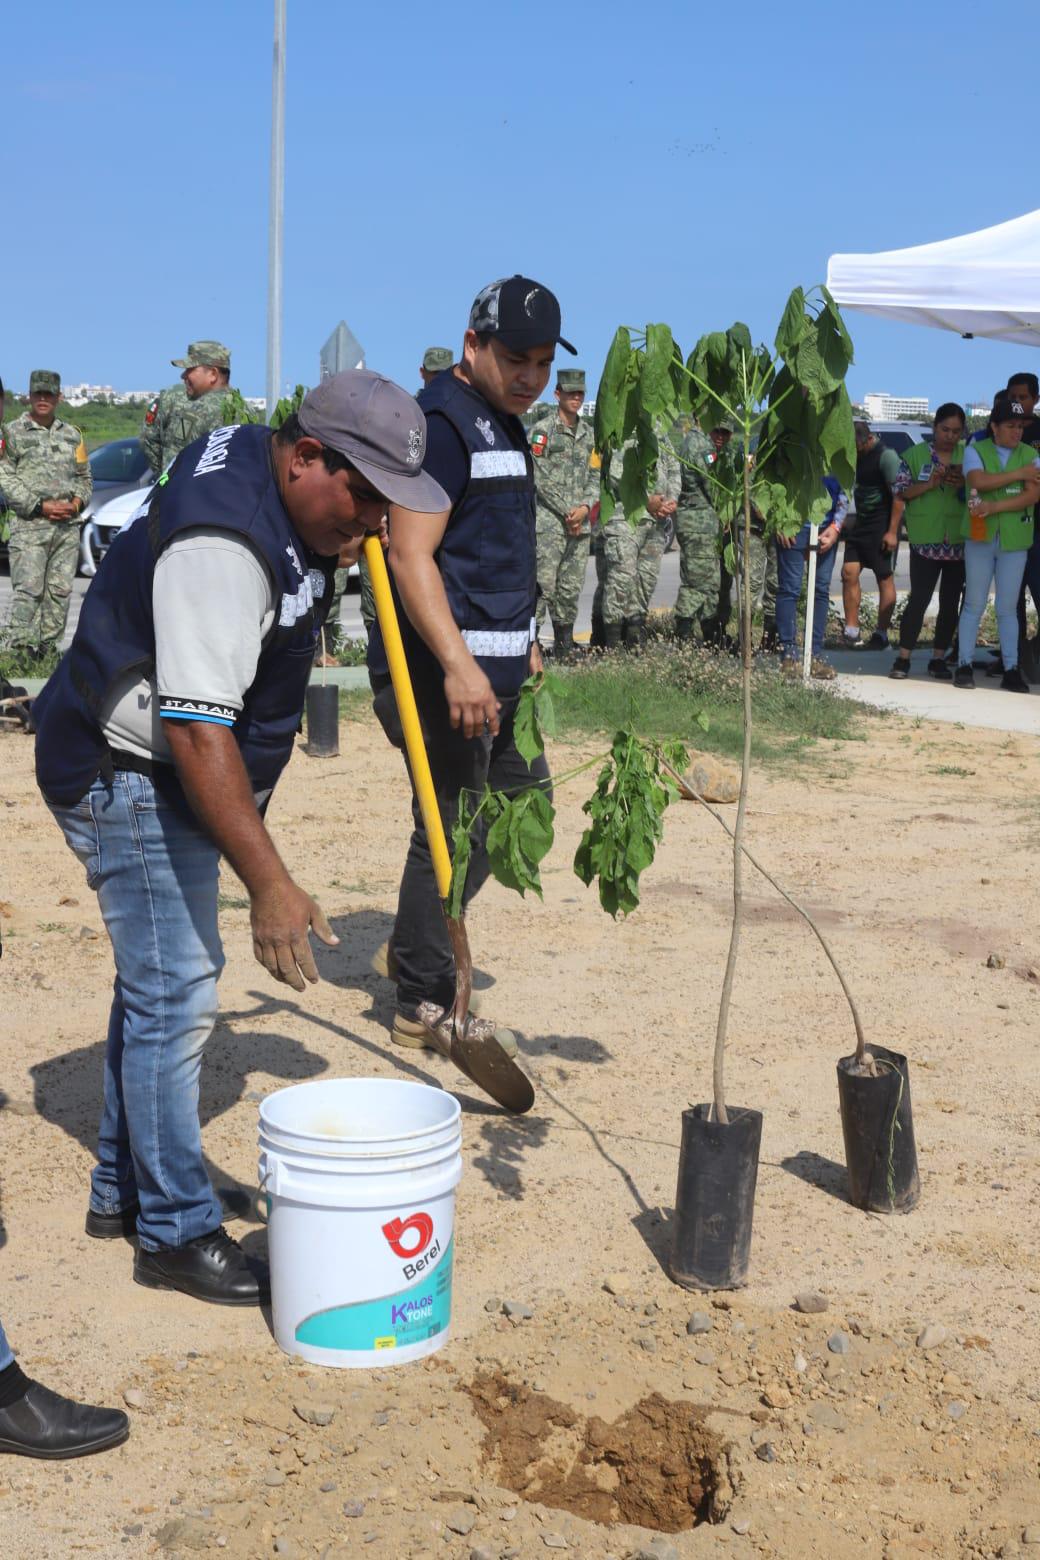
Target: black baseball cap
{"type": "Point", "coordinates": [521, 313]}
{"type": "Point", "coordinates": [1007, 410]}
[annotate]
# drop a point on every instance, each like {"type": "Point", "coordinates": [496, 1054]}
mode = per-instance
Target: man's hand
{"type": "Point", "coordinates": [57, 509]}
{"type": "Point", "coordinates": [281, 915]}
{"type": "Point", "coordinates": [536, 661]}
{"type": "Point", "coordinates": [828, 538]}
{"type": "Point", "coordinates": [655, 505]}
{"type": "Point", "coordinates": [890, 541]}
{"type": "Point", "coordinates": [575, 519]}
{"type": "Point", "coordinates": [472, 705]}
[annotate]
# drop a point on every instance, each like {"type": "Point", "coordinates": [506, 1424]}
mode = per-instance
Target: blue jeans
{"type": "Point", "coordinates": [984, 562]}
{"type": "Point", "coordinates": [155, 873]}
{"type": "Point", "coordinates": [6, 1357]}
{"type": "Point", "coordinates": [790, 562]}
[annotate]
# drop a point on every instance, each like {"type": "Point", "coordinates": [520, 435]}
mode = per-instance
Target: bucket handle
{"type": "Point", "coordinates": [259, 1201]}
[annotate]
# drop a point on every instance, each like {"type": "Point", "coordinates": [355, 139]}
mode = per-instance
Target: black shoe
{"type": "Point", "coordinates": [212, 1267]}
{"type": "Point", "coordinates": [940, 669]}
{"type": "Point", "coordinates": [1013, 681]}
{"type": "Point", "coordinates": [900, 668]}
{"type": "Point", "coordinates": [612, 636]}
{"type": "Point", "coordinates": [44, 1424]}
{"type": "Point", "coordinates": [964, 677]}
{"type": "Point", "coordinates": [853, 644]}
{"type": "Point", "coordinates": [877, 642]}
{"type": "Point", "coordinates": [113, 1226]}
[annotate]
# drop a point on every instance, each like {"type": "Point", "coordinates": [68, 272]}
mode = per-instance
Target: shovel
{"type": "Point", "coordinates": [470, 1042]}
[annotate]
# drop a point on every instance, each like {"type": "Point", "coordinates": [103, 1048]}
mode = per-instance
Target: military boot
{"type": "Point", "coordinates": [597, 639]}
{"type": "Point", "coordinates": [683, 628]}
{"type": "Point", "coordinates": [612, 636]}
{"type": "Point", "coordinates": [635, 633]}
{"type": "Point", "coordinates": [563, 641]}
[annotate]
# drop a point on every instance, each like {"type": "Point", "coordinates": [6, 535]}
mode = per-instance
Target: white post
{"type": "Point", "coordinates": [275, 212]}
{"type": "Point", "coordinates": [810, 599]}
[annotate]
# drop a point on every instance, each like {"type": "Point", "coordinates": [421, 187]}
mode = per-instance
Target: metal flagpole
{"type": "Point", "coordinates": [275, 212]}
{"type": "Point", "coordinates": [810, 599]}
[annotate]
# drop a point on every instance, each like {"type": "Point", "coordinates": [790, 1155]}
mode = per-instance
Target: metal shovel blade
{"type": "Point", "coordinates": [489, 1067]}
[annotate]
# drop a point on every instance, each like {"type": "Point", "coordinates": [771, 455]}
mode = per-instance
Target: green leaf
{"type": "Point", "coordinates": [792, 325]}
{"type": "Point", "coordinates": [519, 838]}
{"type": "Point", "coordinates": [462, 850]}
{"type": "Point", "coordinates": [610, 397]}
{"type": "Point", "coordinates": [655, 379]}
{"type": "Point", "coordinates": [625, 813]}
{"type": "Point", "coordinates": [535, 715]}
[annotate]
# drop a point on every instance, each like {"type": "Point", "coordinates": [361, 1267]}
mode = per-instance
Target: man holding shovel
{"type": "Point", "coordinates": [467, 584]}
{"type": "Point", "coordinates": [160, 739]}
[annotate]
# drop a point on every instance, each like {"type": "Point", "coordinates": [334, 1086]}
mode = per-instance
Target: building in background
{"type": "Point", "coordinates": [879, 406]}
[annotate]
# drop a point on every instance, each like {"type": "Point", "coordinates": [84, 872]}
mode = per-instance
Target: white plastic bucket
{"type": "Point", "coordinates": [360, 1176]}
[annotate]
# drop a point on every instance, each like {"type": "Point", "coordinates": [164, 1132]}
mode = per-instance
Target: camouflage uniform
{"type": "Point", "coordinates": [174, 418]}
{"type": "Point", "coordinates": [566, 475]}
{"type": "Point", "coordinates": [38, 463]}
{"type": "Point", "coordinates": [697, 531]}
{"type": "Point", "coordinates": [629, 562]}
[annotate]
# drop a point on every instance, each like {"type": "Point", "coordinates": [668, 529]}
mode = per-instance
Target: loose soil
{"type": "Point", "coordinates": [574, 1425]}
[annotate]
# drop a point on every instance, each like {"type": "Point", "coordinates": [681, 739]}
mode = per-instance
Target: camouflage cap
{"type": "Point", "coordinates": [571, 379]}
{"type": "Point", "coordinates": [204, 354]}
{"type": "Point", "coordinates": [46, 380]}
{"type": "Point", "coordinates": [436, 359]}
{"type": "Point", "coordinates": [521, 313]}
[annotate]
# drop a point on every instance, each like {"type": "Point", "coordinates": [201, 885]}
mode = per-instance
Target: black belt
{"type": "Point", "coordinates": [121, 759]}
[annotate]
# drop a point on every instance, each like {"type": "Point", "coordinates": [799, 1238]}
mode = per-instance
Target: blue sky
{"type": "Point", "coordinates": [667, 162]}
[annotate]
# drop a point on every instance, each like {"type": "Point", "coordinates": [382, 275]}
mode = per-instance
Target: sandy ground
{"type": "Point", "coordinates": [917, 848]}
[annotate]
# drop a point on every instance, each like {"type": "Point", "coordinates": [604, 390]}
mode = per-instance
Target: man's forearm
{"type": "Point", "coordinates": [210, 768]}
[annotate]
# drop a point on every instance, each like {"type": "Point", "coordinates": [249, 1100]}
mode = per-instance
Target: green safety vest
{"type": "Point", "coordinates": [1015, 527]}
{"type": "Point", "coordinates": [937, 516]}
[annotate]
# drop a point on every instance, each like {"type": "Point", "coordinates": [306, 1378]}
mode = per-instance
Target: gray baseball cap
{"type": "Point", "coordinates": [381, 431]}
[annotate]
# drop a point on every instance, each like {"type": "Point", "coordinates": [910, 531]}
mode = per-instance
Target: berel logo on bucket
{"type": "Point", "coordinates": [419, 1225]}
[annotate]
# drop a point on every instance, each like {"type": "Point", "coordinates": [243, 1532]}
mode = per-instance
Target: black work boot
{"type": "Point", "coordinates": [597, 639]}
{"type": "Point", "coordinates": [635, 633]}
{"type": "Point", "coordinates": [612, 636]}
{"type": "Point", "coordinates": [41, 1423]}
{"type": "Point", "coordinates": [563, 641]}
{"type": "Point", "coordinates": [683, 628]}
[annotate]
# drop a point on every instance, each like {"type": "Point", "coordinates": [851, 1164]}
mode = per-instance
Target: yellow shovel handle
{"type": "Point", "coordinates": [409, 714]}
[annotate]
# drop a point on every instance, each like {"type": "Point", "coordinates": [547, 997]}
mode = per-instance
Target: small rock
{"type": "Point", "coordinates": [956, 1409]}
{"type": "Point", "coordinates": [461, 1520]}
{"type": "Point", "coordinates": [286, 1547]}
{"type": "Point", "coordinates": [995, 961]}
{"type": "Point", "coordinates": [800, 1363]}
{"type": "Point", "coordinates": [481, 1554]}
{"type": "Point", "coordinates": [494, 1304]}
{"type": "Point", "coordinates": [517, 1311]}
{"type": "Point", "coordinates": [704, 1357]}
{"type": "Point", "coordinates": [659, 1548]}
{"type": "Point", "coordinates": [555, 1541]}
{"type": "Point", "coordinates": [826, 1416]}
{"type": "Point", "coordinates": [353, 1508]}
{"type": "Point", "coordinates": [508, 1513]}
{"type": "Point", "coordinates": [616, 1283]}
{"type": "Point", "coordinates": [648, 1344]}
{"type": "Point", "coordinates": [133, 1397]}
{"type": "Point", "coordinates": [274, 1478]}
{"type": "Point", "coordinates": [760, 1434]}
{"type": "Point", "coordinates": [327, 1488]}
{"type": "Point", "coordinates": [1031, 1534]}
{"type": "Point", "coordinates": [776, 1396]}
{"type": "Point", "coordinates": [183, 1533]}
{"type": "Point", "coordinates": [742, 1526]}
{"type": "Point", "coordinates": [839, 1343]}
{"type": "Point", "coordinates": [315, 1413]}
{"type": "Point", "coordinates": [381, 1419]}
{"type": "Point", "coordinates": [766, 1452]}
{"type": "Point", "coordinates": [810, 1301]}
{"type": "Point", "coordinates": [700, 1322]}
{"type": "Point", "coordinates": [931, 1336]}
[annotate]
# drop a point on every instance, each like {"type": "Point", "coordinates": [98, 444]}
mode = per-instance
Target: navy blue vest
{"type": "Point", "coordinates": [487, 555]}
{"type": "Point", "coordinates": [225, 479]}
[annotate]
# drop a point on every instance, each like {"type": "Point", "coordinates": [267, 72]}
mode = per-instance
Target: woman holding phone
{"type": "Point", "coordinates": [929, 490]}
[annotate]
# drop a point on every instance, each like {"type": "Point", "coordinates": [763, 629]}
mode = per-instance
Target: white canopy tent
{"type": "Point", "coordinates": [982, 284]}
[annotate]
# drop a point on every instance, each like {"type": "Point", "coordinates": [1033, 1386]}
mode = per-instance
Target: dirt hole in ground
{"type": "Point", "coordinates": [655, 1466]}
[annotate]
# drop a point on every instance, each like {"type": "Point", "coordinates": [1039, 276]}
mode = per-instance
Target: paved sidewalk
{"type": "Point", "coordinates": [867, 679]}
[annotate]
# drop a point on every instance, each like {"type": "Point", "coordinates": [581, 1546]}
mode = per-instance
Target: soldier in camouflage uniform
{"type": "Point", "coordinates": [629, 559]}
{"type": "Point", "coordinates": [435, 361]}
{"type": "Point", "coordinates": [566, 480]}
{"type": "Point", "coordinates": [45, 477]}
{"type": "Point", "coordinates": [697, 531]}
{"type": "Point", "coordinates": [186, 411]}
